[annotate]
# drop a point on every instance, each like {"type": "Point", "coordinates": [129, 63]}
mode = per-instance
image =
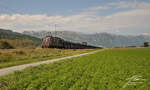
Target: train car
{"type": "Point", "coordinates": [56, 42]}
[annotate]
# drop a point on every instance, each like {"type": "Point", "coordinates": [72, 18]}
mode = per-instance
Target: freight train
{"type": "Point", "coordinates": [56, 42]}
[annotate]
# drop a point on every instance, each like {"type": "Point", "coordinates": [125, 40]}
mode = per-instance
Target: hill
{"type": "Point", "coordinates": [102, 39]}
{"type": "Point", "coordinates": [10, 35]}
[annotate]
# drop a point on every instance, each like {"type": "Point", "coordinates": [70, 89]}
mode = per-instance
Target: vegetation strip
{"type": "Point", "coordinates": [8, 70]}
{"type": "Point", "coordinates": [14, 57]}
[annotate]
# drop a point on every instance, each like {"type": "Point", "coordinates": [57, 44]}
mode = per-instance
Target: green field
{"type": "Point", "coordinates": [12, 57]}
{"type": "Point", "coordinates": [105, 70]}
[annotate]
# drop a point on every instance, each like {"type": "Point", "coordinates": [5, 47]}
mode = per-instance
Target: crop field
{"type": "Point", "coordinates": [116, 69]}
{"type": "Point", "coordinates": [12, 57]}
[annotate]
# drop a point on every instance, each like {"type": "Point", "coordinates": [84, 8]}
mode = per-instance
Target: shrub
{"type": "Point", "coordinates": [146, 44]}
{"type": "Point", "coordinates": [5, 45]}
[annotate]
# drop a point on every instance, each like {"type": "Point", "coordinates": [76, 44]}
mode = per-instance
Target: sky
{"type": "Point", "coordinates": [128, 17]}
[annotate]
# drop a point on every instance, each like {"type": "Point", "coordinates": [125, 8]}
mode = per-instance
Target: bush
{"type": "Point", "coordinates": [146, 44]}
{"type": "Point", "coordinates": [5, 45]}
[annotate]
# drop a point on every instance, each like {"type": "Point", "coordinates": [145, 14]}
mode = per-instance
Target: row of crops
{"type": "Point", "coordinates": [106, 70]}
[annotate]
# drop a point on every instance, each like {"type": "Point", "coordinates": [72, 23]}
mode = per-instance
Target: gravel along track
{"type": "Point", "coordinates": [5, 71]}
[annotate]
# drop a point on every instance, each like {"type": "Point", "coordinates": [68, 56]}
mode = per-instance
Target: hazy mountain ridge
{"type": "Point", "coordinates": [102, 39]}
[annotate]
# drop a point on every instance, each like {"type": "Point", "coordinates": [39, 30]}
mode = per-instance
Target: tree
{"type": "Point", "coordinates": [146, 44]}
{"type": "Point", "coordinates": [5, 45]}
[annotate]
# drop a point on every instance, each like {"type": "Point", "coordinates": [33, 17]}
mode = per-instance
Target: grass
{"type": "Point", "coordinates": [106, 70]}
{"type": "Point", "coordinates": [12, 57]}
{"type": "Point", "coordinates": [17, 44]}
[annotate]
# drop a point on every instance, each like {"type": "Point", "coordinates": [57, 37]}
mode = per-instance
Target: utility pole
{"type": "Point", "coordinates": [55, 30]}
{"type": "Point", "coordinates": [55, 37]}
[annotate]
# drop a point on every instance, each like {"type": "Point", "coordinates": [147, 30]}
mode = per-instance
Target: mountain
{"type": "Point", "coordinates": [98, 39]}
{"type": "Point", "coordinates": [10, 35]}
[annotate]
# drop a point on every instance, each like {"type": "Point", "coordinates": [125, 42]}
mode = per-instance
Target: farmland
{"type": "Point", "coordinates": [12, 57]}
{"type": "Point", "coordinates": [106, 70]}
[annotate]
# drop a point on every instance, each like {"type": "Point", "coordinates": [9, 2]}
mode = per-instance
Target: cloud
{"type": "Point", "coordinates": [146, 34]}
{"type": "Point", "coordinates": [87, 21]}
{"type": "Point", "coordinates": [131, 4]}
{"type": "Point", "coordinates": [138, 18]}
{"type": "Point", "coordinates": [98, 8]}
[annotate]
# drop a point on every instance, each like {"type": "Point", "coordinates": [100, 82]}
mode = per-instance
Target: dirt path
{"type": "Point", "coordinates": [5, 71]}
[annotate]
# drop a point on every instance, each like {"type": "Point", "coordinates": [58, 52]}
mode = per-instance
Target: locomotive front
{"type": "Point", "coordinates": [46, 43]}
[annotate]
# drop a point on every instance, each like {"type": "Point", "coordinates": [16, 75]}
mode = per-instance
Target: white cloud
{"type": "Point", "coordinates": [87, 21]}
{"type": "Point", "coordinates": [98, 8]}
{"type": "Point", "coordinates": [131, 4]}
{"type": "Point", "coordinates": [146, 34]}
